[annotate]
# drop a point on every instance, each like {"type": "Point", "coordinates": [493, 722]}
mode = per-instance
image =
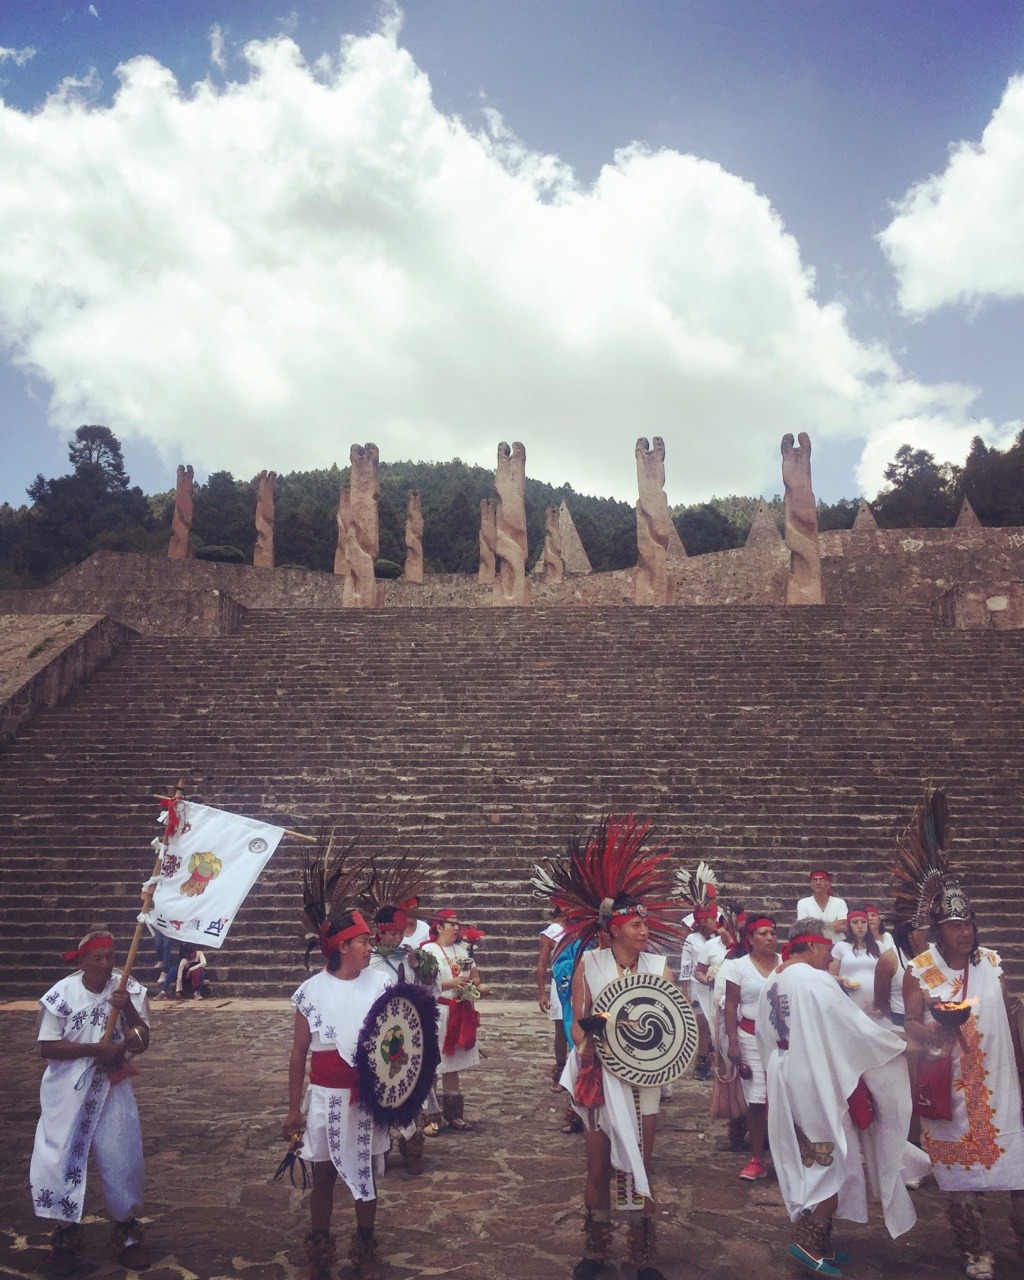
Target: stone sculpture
{"type": "Point", "coordinates": [362, 543]}
{"type": "Point", "coordinates": [510, 583]}
{"type": "Point", "coordinates": [803, 584]}
{"type": "Point", "coordinates": [180, 547]}
{"type": "Point", "coordinates": [656, 535]}
{"type": "Point", "coordinates": [414, 537]}
{"type": "Point", "coordinates": [488, 538]}
{"type": "Point", "coordinates": [574, 557]}
{"type": "Point", "coordinates": [344, 519]}
{"type": "Point", "coordinates": [554, 565]}
{"type": "Point", "coordinates": [263, 554]}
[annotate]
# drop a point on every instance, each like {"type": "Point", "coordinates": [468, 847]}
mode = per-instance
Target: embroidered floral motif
{"type": "Point", "coordinates": [978, 1145]}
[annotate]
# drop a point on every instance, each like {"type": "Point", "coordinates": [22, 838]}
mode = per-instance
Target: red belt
{"type": "Point", "coordinates": [783, 1044]}
{"type": "Point", "coordinates": [747, 1025]}
{"type": "Point", "coordinates": [328, 1068]}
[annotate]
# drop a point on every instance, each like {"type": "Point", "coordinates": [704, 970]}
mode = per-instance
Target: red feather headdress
{"type": "Point", "coordinates": [616, 857]}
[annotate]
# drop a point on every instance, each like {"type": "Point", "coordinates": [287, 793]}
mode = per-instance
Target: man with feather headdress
{"type": "Point", "coordinates": [341, 1137]}
{"type": "Point", "coordinates": [612, 883]}
{"type": "Point", "coordinates": [968, 1082]}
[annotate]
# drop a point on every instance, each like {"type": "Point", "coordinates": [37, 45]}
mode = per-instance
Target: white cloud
{"type": "Point", "coordinates": [18, 56]}
{"type": "Point", "coordinates": [259, 274]}
{"type": "Point", "coordinates": [957, 237]}
{"type": "Point", "coordinates": [217, 47]}
{"type": "Point", "coordinates": [92, 10]}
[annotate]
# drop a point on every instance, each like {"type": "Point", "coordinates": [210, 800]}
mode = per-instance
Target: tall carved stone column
{"type": "Point", "coordinates": [344, 519]}
{"type": "Point", "coordinates": [488, 538]}
{"type": "Point", "coordinates": [263, 554]}
{"type": "Point", "coordinates": [657, 540]}
{"type": "Point", "coordinates": [362, 544]}
{"type": "Point", "coordinates": [180, 547]}
{"type": "Point", "coordinates": [510, 584]}
{"type": "Point", "coordinates": [803, 585]}
{"type": "Point", "coordinates": [414, 538]}
{"type": "Point", "coordinates": [554, 565]}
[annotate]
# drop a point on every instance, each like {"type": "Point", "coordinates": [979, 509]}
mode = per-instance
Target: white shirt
{"type": "Point", "coordinates": [833, 910]}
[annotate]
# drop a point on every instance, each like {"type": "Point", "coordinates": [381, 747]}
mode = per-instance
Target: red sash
{"type": "Point", "coordinates": [463, 1020]}
{"type": "Point", "coordinates": [328, 1068]}
{"type": "Point", "coordinates": [747, 1025]}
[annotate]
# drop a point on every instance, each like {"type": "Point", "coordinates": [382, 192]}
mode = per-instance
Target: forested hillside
{"type": "Point", "coordinates": [96, 507]}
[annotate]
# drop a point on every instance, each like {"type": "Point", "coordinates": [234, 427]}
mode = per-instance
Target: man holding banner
{"type": "Point", "coordinates": [87, 1103]}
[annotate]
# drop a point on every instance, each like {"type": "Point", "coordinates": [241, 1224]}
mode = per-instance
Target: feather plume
{"type": "Point", "coordinates": [698, 888]}
{"type": "Point", "coordinates": [922, 864]}
{"type": "Point", "coordinates": [330, 879]}
{"type": "Point", "coordinates": [617, 857]}
{"type": "Point", "coordinates": [393, 882]}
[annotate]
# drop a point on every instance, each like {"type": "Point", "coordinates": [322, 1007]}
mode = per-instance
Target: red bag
{"type": "Point", "coordinates": [933, 1087]}
{"type": "Point", "coordinates": [589, 1090]}
{"type": "Point", "coordinates": [862, 1105]}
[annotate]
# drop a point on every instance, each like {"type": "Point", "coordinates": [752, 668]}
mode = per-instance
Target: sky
{"type": "Point", "coordinates": [246, 234]}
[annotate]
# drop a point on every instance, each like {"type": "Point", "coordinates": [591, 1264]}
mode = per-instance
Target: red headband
{"type": "Point", "coordinates": [871, 907]}
{"type": "Point", "coordinates": [409, 902]}
{"type": "Point", "coordinates": [94, 944]}
{"type": "Point", "coordinates": [821, 873]}
{"type": "Point", "coordinates": [762, 922]}
{"type": "Point", "coordinates": [706, 913]}
{"type": "Point", "coordinates": [856, 915]}
{"type": "Point", "coordinates": [787, 950]}
{"type": "Point", "coordinates": [330, 942]}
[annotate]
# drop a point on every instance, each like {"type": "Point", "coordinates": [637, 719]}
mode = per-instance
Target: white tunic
{"type": "Point", "coordinates": [619, 1117]}
{"type": "Point", "coordinates": [833, 910]}
{"type": "Point", "coordinates": [554, 931]}
{"type": "Point", "coordinates": [858, 967]}
{"type": "Point", "coordinates": [751, 982]}
{"type": "Point", "coordinates": [448, 959]}
{"type": "Point", "coordinates": [831, 1045]}
{"type": "Point", "coordinates": [982, 1147]}
{"type": "Point", "coordinates": [336, 1130]}
{"type": "Point", "coordinates": [82, 1111]}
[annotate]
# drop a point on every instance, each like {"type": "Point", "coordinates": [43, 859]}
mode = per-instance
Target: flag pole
{"type": "Point", "coordinates": [147, 902]}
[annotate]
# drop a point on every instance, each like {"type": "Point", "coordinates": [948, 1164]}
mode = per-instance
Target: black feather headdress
{"type": "Point", "coordinates": [331, 878]}
{"type": "Point", "coordinates": [925, 890]}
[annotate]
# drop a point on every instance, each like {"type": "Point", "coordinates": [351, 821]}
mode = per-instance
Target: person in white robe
{"type": "Point", "coordinates": [818, 1047]}
{"type": "Point", "coordinates": [619, 1133]}
{"type": "Point", "coordinates": [981, 1148]}
{"type": "Point", "coordinates": [341, 1137]}
{"type": "Point", "coordinates": [87, 1105]}
{"type": "Point", "coordinates": [823, 905]}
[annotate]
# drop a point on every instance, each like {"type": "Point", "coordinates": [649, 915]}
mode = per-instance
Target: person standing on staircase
{"type": "Point", "coordinates": [87, 1104]}
{"type": "Point", "coordinates": [823, 905]}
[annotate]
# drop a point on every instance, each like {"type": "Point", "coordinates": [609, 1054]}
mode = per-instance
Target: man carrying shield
{"type": "Point", "coordinates": [87, 1103]}
{"type": "Point", "coordinates": [600, 886]}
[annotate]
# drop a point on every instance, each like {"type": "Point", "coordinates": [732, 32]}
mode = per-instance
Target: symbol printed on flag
{"type": "Point", "coordinates": [258, 845]}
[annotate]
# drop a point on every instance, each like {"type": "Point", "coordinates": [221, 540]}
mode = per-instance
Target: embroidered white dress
{"type": "Point", "coordinates": [336, 1129]}
{"type": "Point", "coordinates": [447, 959]}
{"type": "Point", "coordinates": [982, 1147]}
{"type": "Point", "coordinates": [81, 1111]}
{"type": "Point", "coordinates": [817, 1150]}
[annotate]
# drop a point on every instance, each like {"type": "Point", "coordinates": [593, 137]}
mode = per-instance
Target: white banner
{"type": "Point", "coordinates": [211, 863]}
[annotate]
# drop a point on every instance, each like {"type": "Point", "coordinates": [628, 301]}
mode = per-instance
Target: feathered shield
{"type": "Point", "coordinates": [397, 1054]}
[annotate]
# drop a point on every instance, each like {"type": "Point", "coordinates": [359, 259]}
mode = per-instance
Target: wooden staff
{"type": "Point", "coordinates": [147, 903]}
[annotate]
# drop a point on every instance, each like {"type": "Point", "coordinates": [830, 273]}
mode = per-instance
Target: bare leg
{"type": "Point", "coordinates": [757, 1127]}
{"type": "Point", "coordinates": [321, 1199]}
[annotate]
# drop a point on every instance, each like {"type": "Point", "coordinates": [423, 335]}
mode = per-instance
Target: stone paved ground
{"type": "Point", "coordinates": [501, 1203]}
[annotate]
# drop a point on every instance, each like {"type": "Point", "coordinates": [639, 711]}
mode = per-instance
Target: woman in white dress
{"type": "Point", "coordinates": [746, 979]}
{"type": "Point", "coordinates": [457, 989]}
{"type": "Point", "coordinates": [853, 962]}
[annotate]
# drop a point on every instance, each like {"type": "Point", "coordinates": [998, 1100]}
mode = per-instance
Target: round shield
{"type": "Point", "coordinates": [650, 1030]}
{"type": "Point", "coordinates": [397, 1054]}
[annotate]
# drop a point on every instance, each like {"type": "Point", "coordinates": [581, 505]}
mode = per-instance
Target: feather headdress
{"type": "Point", "coordinates": [699, 889]}
{"type": "Point", "coordinates": [392, 884]}
{"type": "Point", "coordinates": [925, 890]}
{"type": "Point", "coordinates": [616, 858]}
{"type": "Point", "coordinates": [330, 880]}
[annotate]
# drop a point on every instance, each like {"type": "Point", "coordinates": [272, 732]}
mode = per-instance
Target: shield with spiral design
{"type": "Point", "coordinates": [650, 1032]}
{"type": "Point", "coordinates": [397, 1054]}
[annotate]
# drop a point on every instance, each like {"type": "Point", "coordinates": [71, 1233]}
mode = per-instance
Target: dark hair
{"type": "Point", "coordinates": [338, 926]}
{"type": "Point", "coordinates": [870, 941]}
{"type": "Point", "coordinates": [386, 915]}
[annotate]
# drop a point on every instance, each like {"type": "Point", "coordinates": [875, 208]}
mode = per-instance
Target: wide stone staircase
{"type": "Point", "coordinates": [768, 741]}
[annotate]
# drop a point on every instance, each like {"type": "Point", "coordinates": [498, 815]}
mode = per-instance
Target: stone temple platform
{"type": "Point", "coordinates": [501, 1203]}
